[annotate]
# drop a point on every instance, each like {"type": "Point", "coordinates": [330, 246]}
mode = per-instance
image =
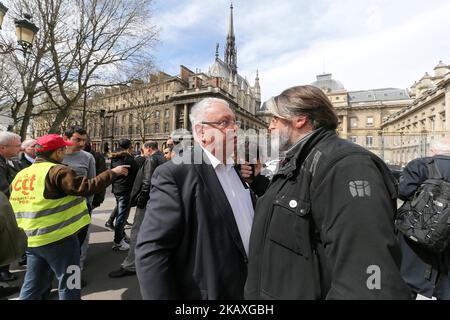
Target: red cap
{"type": "Point", "coordinates": [51, 142]}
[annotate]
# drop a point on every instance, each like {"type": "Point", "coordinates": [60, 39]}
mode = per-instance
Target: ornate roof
{"type": "Point", "coordinates": [388, 94]}
{"type": "Point", "coordinates": [326, 83]}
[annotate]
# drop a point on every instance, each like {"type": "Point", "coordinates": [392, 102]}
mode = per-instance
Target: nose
{"type": "Point", "coordinates": [272, 126]}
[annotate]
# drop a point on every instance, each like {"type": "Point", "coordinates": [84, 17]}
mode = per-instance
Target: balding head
{"type": "Point", "coordinates": [440, 146]}
{"type": "Point", "coordinates": [9, 144]}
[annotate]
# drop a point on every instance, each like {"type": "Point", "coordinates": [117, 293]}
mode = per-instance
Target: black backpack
{"type": "Point", "coordinates": [425, 219]}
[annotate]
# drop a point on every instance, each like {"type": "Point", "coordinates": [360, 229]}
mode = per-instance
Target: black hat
{"type": "Point", "coordinates": [125, 144]}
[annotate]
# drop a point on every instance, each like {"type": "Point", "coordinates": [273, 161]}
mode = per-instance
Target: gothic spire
{"type": "Point", "coordinates": [230, 49]}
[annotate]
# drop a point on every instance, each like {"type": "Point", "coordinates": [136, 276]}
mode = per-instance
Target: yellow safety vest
{"type": "Point", "coordinates": [45, 220]}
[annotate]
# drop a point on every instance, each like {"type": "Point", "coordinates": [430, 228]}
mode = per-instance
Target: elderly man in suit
{"type": "Point", "coordinates": [193, 242]}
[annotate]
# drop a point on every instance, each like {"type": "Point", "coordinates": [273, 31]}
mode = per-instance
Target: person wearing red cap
{"type": "Point", "coordinates": [49, 204]}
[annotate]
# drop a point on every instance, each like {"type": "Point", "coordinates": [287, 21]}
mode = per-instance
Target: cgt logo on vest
{"type": "Point", "coordinates": [25, 184]}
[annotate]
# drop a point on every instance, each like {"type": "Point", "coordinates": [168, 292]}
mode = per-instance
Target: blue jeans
{"type": "Point", "coordinates": [43, 262]}
{"type": "Point", "coordinates": [123, 209]}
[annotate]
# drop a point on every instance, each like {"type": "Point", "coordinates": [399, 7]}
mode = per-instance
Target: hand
{"type": "Point", "coordinates": [246, 171]}
{"type": "Point", "coordinates": [121, 170]}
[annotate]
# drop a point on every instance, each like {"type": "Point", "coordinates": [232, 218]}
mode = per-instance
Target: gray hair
{"type": "Point", "coordinates": [28, 143]}
{"type": "Point", "coordinates": [440, 146]}
{"type": "Point", "coordinates": [6, 137]}
{"type": "Point", "coordinates": [200, 108]}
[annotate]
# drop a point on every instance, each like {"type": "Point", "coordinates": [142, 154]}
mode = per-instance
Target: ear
{"type": "Point", "coordinates": [300, 122]}
{"type": "Point", "coordinates": [199, 131]}
{"type": "Point", "coordinates": [65, 138]}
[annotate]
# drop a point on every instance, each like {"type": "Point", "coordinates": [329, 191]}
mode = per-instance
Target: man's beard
{"type": "Point", "coordinates": [285, 138]}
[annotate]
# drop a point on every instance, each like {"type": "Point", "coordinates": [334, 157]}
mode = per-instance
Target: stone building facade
{"type": "Point", "coordinates": [409, 132]}
{"type": "Point", "coordinates": [361, 113]}
{"type": "Point", "coordinates": [153, 109]}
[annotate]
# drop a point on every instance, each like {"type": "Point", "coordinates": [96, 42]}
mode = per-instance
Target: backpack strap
{"type": "Point", "coordinates": [433, 170]}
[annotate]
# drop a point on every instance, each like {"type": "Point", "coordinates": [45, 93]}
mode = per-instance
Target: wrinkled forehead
{"type": "Point", "coordinates": [218, 111]}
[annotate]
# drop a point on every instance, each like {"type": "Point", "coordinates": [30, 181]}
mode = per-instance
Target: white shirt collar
{"type": "Point", "coordinates": [30, 159]}
{"type": "Point", "coordinates": [216, 162]}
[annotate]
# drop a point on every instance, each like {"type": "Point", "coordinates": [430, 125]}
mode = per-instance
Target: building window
{"type": "Point", "coordinates": [166, 127]}
{"type": "Point", "coordinates": [369, 122]}
{"type": "Point", "coordinates": [353, 139]}
{"type": "Point", "coordinates": [166, 113]}
{"type": "Point", "coordinates": [156, 128]}
{"type": "Point", "coordinates": [369, 141]}
{"type": "Point", "coordinates": [353, 122]}
{"type": "Point", "coordinates": [157, 114]}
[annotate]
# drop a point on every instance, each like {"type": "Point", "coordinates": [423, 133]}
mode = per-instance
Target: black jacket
{"type": "Point", "coordinates": [7, 174]}
{"type": "Point", "coordinates": [427, 273]}
{"type": "Point", "coordinates": [124, 184]}
{"type": "Point", "coordinates": [149, 168]}
{"type": "Point", "coordinates": [189, 246]}
{"type": "Point", "coordinates": [100, 166]}
{"type": "Point", "coordinates": [23, 162]}
{"type": "Point", "coordinates": [325, 221]}
{"type": "Point", "coordinates": [140, 160]}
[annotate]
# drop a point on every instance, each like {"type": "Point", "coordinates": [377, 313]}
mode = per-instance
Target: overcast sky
{"type": "Point", "coordinates": [366, 44]}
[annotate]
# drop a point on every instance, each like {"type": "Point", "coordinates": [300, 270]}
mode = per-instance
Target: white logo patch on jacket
{"type": "Point", "coordinates": [359, 189]}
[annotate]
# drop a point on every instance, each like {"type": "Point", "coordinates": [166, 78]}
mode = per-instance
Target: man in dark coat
{"type": "Point", "coordinates": [193, 241]}
{"type": "Point", "coordinates": [121, 189]}
{"type": "Point", "coordinates": [427, 273]}
{"type": "Point", "coordinates": [28, 154]}
{"type": "Point", "coordinates": [139, 198]}
{"type": "Point", "coordinates": [324, 228]}
{"type": "Point", "coordinates": [100, 166]}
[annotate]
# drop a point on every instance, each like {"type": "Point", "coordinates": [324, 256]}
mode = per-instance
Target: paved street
{"type": "Point", "coordinates": [100, 261]}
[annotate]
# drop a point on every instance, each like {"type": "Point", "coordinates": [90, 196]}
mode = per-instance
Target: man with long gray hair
{"type": "Point", "coordinates": [324, 228]}
{"type": "Point", "coordinates": [193, 242]}
{"type": "Point", "coordinates": [427, 273]}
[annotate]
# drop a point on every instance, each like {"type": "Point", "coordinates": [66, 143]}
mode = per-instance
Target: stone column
{"type": "Point", "coordinates": [174, 119]}
{"type": "Point", "coordinates": [438, 123]}
{"type": "Point", "coordinates": [344, 127]}
{"type": "Point", "coordinates": [447, 110]}
{"type": "Point", "coordinates": [186, 116]}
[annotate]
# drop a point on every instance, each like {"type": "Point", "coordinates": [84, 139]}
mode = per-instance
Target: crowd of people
{"type": "Point", "coordinates": [322, 227]}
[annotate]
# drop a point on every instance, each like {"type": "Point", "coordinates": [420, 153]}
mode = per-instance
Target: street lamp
{"type": "Point", "coordinates": [25, 33]}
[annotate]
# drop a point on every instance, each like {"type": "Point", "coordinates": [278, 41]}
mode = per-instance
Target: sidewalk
{"type": "Point", "coordinates": [100, 261]}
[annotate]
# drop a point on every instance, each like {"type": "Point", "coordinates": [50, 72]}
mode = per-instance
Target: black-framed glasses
{"type": "Point", "coordinates": [223, 123]}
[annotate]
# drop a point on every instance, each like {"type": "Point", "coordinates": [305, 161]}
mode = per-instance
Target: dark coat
{"type": "Point", "coordinates": [100, 166]}
{"type": "Point", "coordinates": [124, 184]}
{"type": "Point", "coordinates": [7, 174]}
{"type": "Point", "coordinates": [140, 160]}
{"type": "Point", "coordinates": [143, 195]}
{"type": "Point", "coordinates": [427, 273]}
{"type": "Point", "coordinates": [326, 219]}
{"type": "Point", "coordinates": [189, 246]}
{"type": "Point", "coordinates": [23, 162]}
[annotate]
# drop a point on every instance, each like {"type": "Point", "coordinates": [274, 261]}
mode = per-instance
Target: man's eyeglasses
{"type": "Point", "coordinates": [223, 123]}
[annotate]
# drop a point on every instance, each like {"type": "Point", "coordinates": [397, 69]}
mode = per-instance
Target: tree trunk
{"type": "Point", "coordinates": [60, 117]}
{"type": "Point", "coordinates": [27, 116]}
